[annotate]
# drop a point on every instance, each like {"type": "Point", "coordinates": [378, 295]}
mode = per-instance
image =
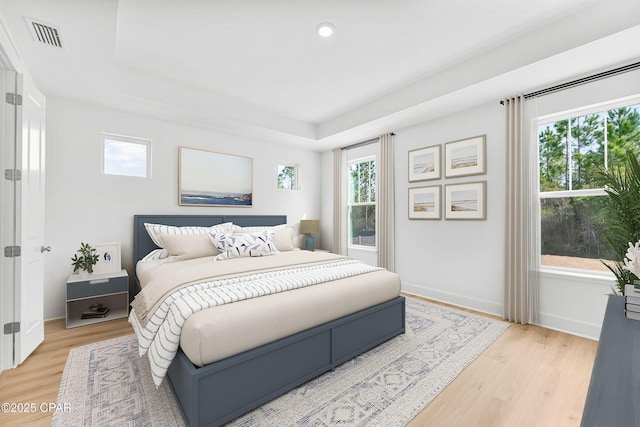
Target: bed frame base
{"type": "Point", "coordinates": [218, 393]}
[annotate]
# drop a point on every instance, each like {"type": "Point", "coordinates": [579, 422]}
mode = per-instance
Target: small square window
{"type": "Point", "coordinates": [288, 176]}
{"type": "Point", "coordinates": [126, 156]}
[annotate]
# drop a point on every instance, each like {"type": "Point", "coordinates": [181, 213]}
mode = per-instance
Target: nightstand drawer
{"type": "Point", "coordinates": [97, 286]}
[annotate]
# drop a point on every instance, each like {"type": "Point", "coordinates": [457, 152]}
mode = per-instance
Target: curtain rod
{"type": "Point", "coordinates": [363, 143]}
{"type": "Point", "coordinates": [581, 81]}
{"type": "Point", "coordinates": [584, 80]}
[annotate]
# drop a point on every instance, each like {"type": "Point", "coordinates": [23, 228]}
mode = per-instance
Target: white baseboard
{"type": "Point", "coordinates": [463, 301]}
{"type": "Point", "coordinates": [557, 323]}
{"type": "Point", "coordinates": [569, 326]}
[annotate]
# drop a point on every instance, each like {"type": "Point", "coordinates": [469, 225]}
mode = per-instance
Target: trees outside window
{"type": "Point", "coordinates": [362, 202]}
{"type": "Point", "coordinates": [288, 176]}
{"type": "Point", "coordinates": [573, 152]}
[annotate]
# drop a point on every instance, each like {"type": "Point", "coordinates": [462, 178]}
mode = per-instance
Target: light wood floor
{"type": "Point", "coordinates": [37, 379]}
{"type": "Point", "coordinates": [530, 376]}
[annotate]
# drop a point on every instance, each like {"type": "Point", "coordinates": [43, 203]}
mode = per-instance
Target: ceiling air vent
{"type": "Point", "coordinates": [45, 33]}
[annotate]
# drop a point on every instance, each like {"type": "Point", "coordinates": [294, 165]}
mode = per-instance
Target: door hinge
{"type": "Point", "coordinates": [14, 98]}
{"type": "Point", "coordinates": [11, 328]}
{"type": "Point", "coordinates": [12, 174]}
{"type": "Point", "coordinates": [12, 251]}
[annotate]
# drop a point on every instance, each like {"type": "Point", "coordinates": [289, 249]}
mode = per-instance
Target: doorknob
{"type": "Point", "coordinates": [45, 249]}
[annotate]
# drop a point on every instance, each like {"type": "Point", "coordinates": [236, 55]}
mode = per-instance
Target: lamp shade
{"type": "Point", "coordinates": [309, 226]}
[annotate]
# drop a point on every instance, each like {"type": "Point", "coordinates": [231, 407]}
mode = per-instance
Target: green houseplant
{"type": "Point", "coordinates": [87, 259]}
{"type": "Point", "coordinates": [622, 185]}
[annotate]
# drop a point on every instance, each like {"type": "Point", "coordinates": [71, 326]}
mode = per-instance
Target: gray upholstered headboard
{"type": "Point", "coordinates": [142, 243]}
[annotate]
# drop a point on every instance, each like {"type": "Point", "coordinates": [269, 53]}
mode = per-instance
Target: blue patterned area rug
{"type": "Point", "coordinates": [107, 383]}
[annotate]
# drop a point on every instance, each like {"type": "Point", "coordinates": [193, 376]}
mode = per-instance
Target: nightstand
{"type": "Point", "coordinates": [106, 290]}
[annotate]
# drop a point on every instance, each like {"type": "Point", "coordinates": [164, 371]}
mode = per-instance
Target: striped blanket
{"type": "Point", "coordinates": [159, 337]}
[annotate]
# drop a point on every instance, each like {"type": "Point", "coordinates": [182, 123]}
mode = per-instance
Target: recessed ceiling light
{"type": "Point", "coordinates": [325, 29]}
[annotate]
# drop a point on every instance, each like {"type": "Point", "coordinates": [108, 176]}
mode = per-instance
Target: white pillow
{"type": "Point", "coordinates": [187, 246]}
{"type": "Point", "coordinates": [155, 229]}
{"type": "Point", "coordinates": [234, 245]}
{"type": "Point", "coordinates": [283, 239]}
{"type": "Point", "coordinates": [260, 228]}
{"type": "Point", "coordinates": [282, 235]}
{"type": "Point", "coordinates": [155, 255]}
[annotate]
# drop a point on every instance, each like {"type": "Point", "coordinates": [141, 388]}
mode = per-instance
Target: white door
{"type": "Point", "coordinates": [7, 216]}
{"type": "Point", "coordinates": [30, 218]}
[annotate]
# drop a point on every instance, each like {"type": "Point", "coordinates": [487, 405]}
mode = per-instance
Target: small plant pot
{"type": "Point", "coordinates": [83, 274]}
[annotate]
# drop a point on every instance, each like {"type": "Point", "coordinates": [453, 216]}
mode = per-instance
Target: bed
{"type": "Point", "coordinates": [214, 384]}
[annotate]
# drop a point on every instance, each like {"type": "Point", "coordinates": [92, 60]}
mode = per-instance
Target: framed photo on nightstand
{"type": "Point", "coordinates": [108, 258]}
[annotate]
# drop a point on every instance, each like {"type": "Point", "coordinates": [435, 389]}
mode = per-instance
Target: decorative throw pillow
{"type": "Point", "coordinates": [282, 235]}
{"type": "Point", "coordinates": [155, 229]}
{"type": "Point", "coordinates": [234, 245]}
{"type": "Point", "coordinates": [187, 246]}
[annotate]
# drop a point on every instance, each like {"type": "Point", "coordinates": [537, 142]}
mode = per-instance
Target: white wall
{"type": "Point", "coordinates": [83, 205]}
{"type": "Point", "coordinates": [462, 262]}
{"type": "Point", "coordinates": [459, 262]}
{"type": "Point", "coordinates": [573, 302]}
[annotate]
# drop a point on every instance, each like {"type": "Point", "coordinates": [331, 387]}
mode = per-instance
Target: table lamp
{"type": "Point", "coordinates": [309, 227]}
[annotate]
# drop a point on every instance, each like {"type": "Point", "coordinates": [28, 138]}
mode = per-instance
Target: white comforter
{"type": "Point", "coordinates": [158, 329]}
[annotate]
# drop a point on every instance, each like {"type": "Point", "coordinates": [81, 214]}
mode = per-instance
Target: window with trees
{"type": "Point", "coordinates": [573, 151]}
{"type": "Point", "coordinates": [362, 202]}
{"type": "Point", "coordinates": [288, 176]}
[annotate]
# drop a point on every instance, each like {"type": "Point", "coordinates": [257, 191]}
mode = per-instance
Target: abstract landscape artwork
{"type": "Point", "coordinates": [424, 164]}
{"type": "Point", "coordinates": [465, 201]}
{"type": "Point", "coordinates": [208, 178]}
{"type": "Point", "coordinates": [465, 157]}
{"type": "Point", "coordinates": [424, 202]}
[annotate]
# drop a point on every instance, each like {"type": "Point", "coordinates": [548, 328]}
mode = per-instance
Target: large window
{"type": "Point", "coordinates": [362, 202]}
{"type": "Point", "coordinates": [573, 151]}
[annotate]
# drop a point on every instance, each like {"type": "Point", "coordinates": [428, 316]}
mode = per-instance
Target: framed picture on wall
{"type": "Point", "coordinates": [465, 157]}
{"type": "Point", "coordinates": [109, 260]}
{"type": "Point", "coordinates": [465, 201]}
{"type": "Point", "coordinates": [424, 164]}
{"type": "Point", "coordinates": [208, 178]}
{"type": "Point", "coordinates": [424, 202]}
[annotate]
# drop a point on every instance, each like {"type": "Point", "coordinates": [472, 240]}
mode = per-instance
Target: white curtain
{"type": "Point", "coordinates": [338, 202]}
{"type": "Point", "coordinates": [386, 202]}
{"type": "Point", "coordinates": [522, 241]}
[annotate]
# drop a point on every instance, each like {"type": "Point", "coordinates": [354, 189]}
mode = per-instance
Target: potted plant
{"type": "Point", "coordinates": [84, 263]}
{"type": "Point", "coordinates": [622, 184]}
